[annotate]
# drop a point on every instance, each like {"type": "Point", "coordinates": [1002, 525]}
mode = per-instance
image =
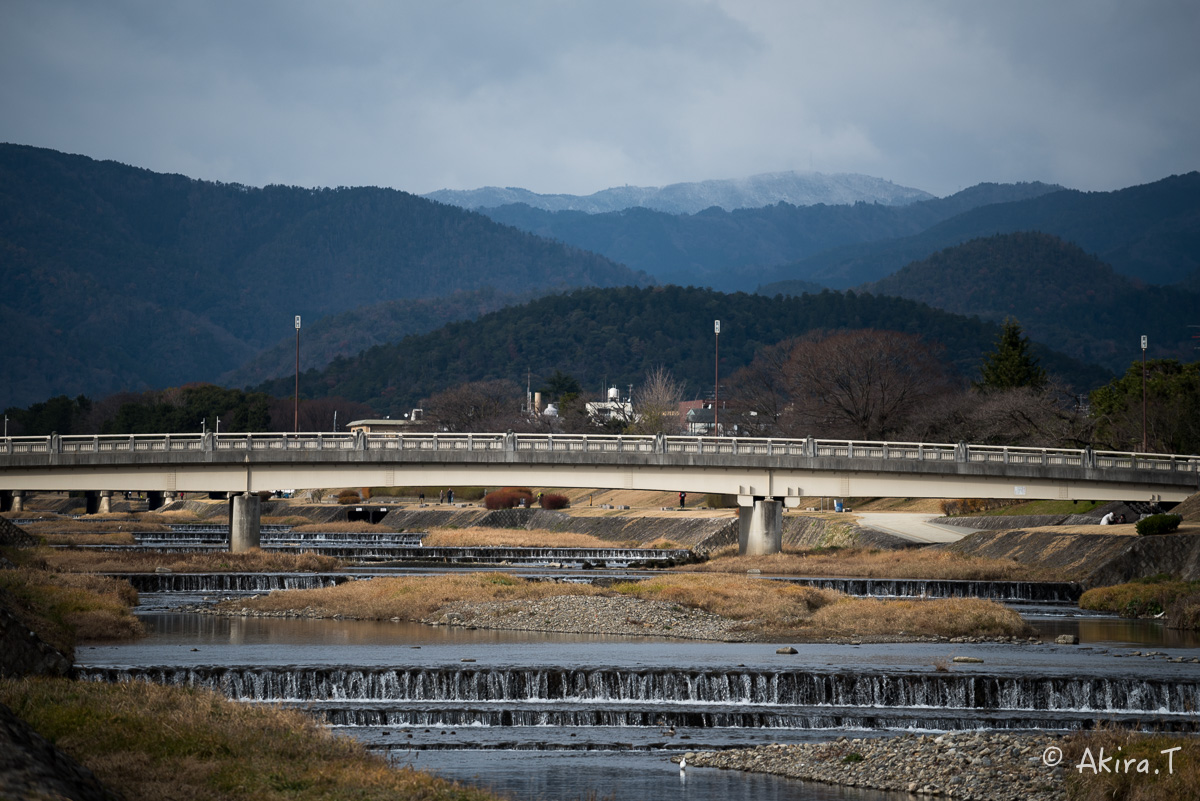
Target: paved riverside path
{"type": "Point", "coordinates": [912, 526]}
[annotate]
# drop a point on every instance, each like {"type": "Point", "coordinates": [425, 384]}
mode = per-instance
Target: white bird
{"type": "Point", "coordinates": [682, 764]}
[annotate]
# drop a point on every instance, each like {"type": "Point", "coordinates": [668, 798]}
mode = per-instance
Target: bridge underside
{"type": "Point", "coordinates": [785, 484]}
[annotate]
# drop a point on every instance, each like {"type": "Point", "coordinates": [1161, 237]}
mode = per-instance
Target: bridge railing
{"type": "Point", "coordinates": [600, 443]}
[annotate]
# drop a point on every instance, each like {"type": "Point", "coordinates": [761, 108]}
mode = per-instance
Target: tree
{"type": "Point", "coordinates": [559, 385]}
{"type": "Point", "coordinates": [656, 404]}
{"type": "Point", "coordinates": [1172, 408]}
{"type": "Point", "coordinates": [476, 406]}
{"type": "Point", "coordinates": [1011, 364]}
{"type": "Point", "coordinates": [861, 384]}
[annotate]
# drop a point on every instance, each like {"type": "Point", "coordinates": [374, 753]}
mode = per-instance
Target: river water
{"type": "Point", "coordinates": [545, 716]}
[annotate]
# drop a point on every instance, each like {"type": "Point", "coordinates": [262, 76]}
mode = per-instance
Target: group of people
{"type": "Point", "coordinates": [1111, 519]}
{"type": "Point", "coordinates": [445, 496]}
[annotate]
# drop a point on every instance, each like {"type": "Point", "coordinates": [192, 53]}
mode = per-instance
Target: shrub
{"type": "Point", "coordinates": [508, 497]}
{"type": "Point", "coordinates": [1184, 613]}
{"type": "Point", "coordinates": [1158, 524]}
{"type": "Point", "coordinates": [972, 506]}
{"type": "Point", "coordinates": [348, 496]}
{"type": "Point", "coordinates": [555, 501]}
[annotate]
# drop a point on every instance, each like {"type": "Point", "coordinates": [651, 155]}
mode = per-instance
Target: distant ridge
{"type": "Point", "coordinates": [757, 191]}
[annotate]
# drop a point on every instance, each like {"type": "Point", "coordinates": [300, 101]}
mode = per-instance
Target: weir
{"type": "Point", "coordinates": [695, 699]}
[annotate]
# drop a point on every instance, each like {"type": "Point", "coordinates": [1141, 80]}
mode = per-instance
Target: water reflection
{"type": "Point", "coordinates": [621, 777]}
{"type": "Point", "coordinates": [1116, 631]}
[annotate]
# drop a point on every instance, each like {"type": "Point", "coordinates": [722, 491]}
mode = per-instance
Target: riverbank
{"type": "Point", "coordinates": [968, 765]}
{"type": "Point", "coordinates": [988, 766]}
{"type": "Point", "coordinates": [149, 742]}
{"type": "Point", "coordinates": [683, 606]}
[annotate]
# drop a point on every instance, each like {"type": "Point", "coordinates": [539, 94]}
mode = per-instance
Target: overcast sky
{"type": "Point", "coordinates": [579, 96]}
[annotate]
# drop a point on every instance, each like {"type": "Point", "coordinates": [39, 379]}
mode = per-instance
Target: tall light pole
{"type": "Point", "coordinates": [716, 378]}
{"type": "Point", "coordinates": [1145, 341]}
{"type": "Point", "coordinates": [296, 398]}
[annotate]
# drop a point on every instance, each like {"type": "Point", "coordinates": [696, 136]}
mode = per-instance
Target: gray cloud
{"type": "Point", "coordinates": [575, 97]}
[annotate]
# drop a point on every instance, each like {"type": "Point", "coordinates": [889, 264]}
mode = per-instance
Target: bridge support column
{"type": "Point", "coordinates": [760, 528]}
{"type": "Point", "coordinates": [168, 498]}
{"type": "Point", "coordinates": [104, 505]}
{"type": "Point", "coordinates": [245, 516]}
{"type": "Point", "coordinates": [18, 501]}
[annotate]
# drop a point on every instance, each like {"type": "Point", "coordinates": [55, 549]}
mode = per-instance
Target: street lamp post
{"type": "Point", "coordinates": [1145, 341]}
{"type": "Point", "coordinates": [296, 397]}
{"type": "Point", "coordinates": [716, 378]}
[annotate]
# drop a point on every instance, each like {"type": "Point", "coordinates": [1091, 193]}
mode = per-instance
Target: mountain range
{"type": "Point", "coordinates": [118, 278]}
{"type": "Point", "coordinates": [612, 337]}
{"type": "Point", "coordinates": [1150, 233]}
{"type": "Point", "coordinates": [737, 250]}
{"type": "Point", "coordinates": [756, 191]}
{"type": "Point", "coordinates": [1061, 295]}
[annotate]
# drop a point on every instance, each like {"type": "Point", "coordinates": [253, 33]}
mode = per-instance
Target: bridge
{"type": "Point", "coordinates": [765, 474]}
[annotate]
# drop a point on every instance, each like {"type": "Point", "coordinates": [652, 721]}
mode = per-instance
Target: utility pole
{"type": "Point", "coordinates": [717, 378]}
{"type": "Point", "coordinates": [296, 398]}
{"type": "Point", "coordinates": [1145, 341]}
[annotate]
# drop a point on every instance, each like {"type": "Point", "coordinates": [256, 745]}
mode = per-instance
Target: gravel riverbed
{"type": "Point", "coordinates": [574, 614]}
{"type": "Point", "coordinates": [967, 765]}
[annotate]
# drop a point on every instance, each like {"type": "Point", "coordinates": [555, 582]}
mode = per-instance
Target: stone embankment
{"type": "Point", "coordinates": [965, 765]}
{"type": "Point", "coordinates": [30, 767]}
{"type": "Point", "coordinates": [1096, 560]}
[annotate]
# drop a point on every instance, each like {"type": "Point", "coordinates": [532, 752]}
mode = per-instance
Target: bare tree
{"type": "Point", "coordinates": [1048, 417]}
{"type": "Point", "coordinates": [759, 395]}
{"type": "Point", "coordinates": [476, 406]}
{"type": "Point", "coordinates": [860, 383]}
{"type": "Point", "coordinates": [656, 404]}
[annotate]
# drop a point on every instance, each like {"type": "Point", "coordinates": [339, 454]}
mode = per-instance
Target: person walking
{"type": "Point", "coordinates": [441, 497]}
{"type": "Point", "coordinates": [450, 495]}
{"type": "Point", "coordinates": [682, 499]}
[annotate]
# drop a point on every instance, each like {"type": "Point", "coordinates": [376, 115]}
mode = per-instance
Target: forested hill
{"type": "Point", "coordinates": [1149, 232]}
{"type": "Point", "coordinates": [1062, 296]}
{"type": "Point", "coordinates": [735, 250]}
{"type": "Point", "coordinates": [614, 336]}
{"type": "Point", "coordinates": [120, 278]}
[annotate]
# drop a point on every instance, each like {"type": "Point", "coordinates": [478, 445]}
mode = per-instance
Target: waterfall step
{"type": "Point", "coordinates": [937, 692]}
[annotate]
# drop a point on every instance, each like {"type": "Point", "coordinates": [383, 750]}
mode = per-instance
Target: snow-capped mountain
{"type": "Point", "coordinates": [796, 188]}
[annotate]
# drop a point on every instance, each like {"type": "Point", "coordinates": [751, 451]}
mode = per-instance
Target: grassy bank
{"type": "Point", "coordinates": [1148, 597]}
{"type": "Point", "coordinates": [253, 561]}
{"type": "Point", "coordinates": [65, 608]}
{"type": "Point", "coordinates": [919, 563]}
{"type": "Point", "coordinates": [1178, 779]}
{"type": "Point", "coordinates": [768, 608]}
{"type": "Point", "coordinates": [151, 742]}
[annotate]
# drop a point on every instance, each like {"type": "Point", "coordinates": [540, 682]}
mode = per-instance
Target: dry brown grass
{"type": "Point", "coordinates": [513, 537]}
{"type": "Point", "coordinates": [339, 526]}
{"type": "Point", "coordinates": [108, 538]}
{"type": "Point", "coordinates": [945, 617]}
{"type": "Point", "coordinates": [253, 561]}
{"type": "Point", "coordinates": [407, 598]}
{"type": "Point", "coordinates": [1178, 780]}
{"type": "Point", "coordinates": [921, 563]}
{"type": "Point", "coordinates": [764, 605]}
{"type": "Point", "coordinates": [65, 608]}
{"type": "Point", "coordinates": [150, 742]}
{"type": "Point", "coordinates": [92, 526]}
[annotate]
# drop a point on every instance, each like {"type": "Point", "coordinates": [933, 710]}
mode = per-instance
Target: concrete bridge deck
{"type": "Point", "coordinates": [765, 474]}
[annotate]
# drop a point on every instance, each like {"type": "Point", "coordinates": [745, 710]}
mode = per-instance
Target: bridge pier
{"type": "Point", "coordinates": [104, 503]}
{"type": "Point", "coordinates": [245, 517]}
{"type": "Point", "coordinates": [760, 528]}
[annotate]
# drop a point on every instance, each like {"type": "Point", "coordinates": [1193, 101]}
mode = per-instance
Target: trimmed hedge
{"type": "Point", "coordinates": [508, 497]}
{"type": "Point", "coordinates": [1158, 524]}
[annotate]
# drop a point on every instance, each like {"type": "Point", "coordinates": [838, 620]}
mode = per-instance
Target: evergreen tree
{"type": "Point", "coordinates": [1011, 365]}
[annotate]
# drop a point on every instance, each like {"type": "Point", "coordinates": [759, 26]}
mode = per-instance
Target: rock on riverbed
{"type": "Point", "coordinates": [577, 614]}
{"type": "Point", "coordinates": [989, 766]}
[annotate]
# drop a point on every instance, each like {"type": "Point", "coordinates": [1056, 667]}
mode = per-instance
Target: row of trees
{"type": "Point", "coordinates": [185, 409]}
{"type": "Point", "coordinates": [853, 384]}
{"type": "Point", "coordinates": [874, 385]}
